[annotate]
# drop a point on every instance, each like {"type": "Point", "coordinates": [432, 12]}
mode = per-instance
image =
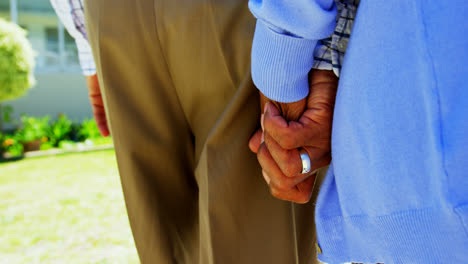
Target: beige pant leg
{"type": "Point", "coordinates": [152, 139]}
{"type": "Point", "coordinates": [181, 105]}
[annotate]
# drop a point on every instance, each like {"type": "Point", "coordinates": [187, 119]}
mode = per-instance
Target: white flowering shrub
{"type": "Point", "coordinates": [16, 61]}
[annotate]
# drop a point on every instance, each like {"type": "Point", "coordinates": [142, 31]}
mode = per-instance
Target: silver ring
{"type": "Point", "coordinates": [306, 164]}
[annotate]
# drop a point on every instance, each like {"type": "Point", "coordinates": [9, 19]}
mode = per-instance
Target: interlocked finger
{"type": "Point", "coordinates": [289, 161]}
{"type": "Point", "coordinates": [289, 135]}
{"type": "Point", "coordinates": [276, 177]}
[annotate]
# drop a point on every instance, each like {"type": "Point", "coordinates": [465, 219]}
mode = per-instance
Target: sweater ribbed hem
{"type": "Point", "coordinates": [422, 236]}
{"type": "Point", "coordinates": [281, 64]}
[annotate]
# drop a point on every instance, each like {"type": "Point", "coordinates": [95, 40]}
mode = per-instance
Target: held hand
{"type": "Point", "coordinates": [97, 104]}
{"type": "Point", "coordinates": [290, 111]}
{"type": "Point", "coordinates": [279, 154]}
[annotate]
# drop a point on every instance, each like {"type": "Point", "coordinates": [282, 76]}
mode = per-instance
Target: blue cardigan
{"type": "Point", "coordinates": [397, 188]}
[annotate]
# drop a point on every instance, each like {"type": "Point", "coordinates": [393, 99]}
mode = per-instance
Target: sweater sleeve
{"type": "Point", "coordinates": [283, 47]}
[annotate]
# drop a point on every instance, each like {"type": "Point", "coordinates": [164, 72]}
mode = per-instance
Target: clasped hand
{"type": "Point", "coordinates": [286, 128]}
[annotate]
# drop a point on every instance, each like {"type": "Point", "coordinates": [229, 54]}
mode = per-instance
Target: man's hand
{"type": "Point", "coordinates": [291, 111]}
{"type": "Point", "coordinates": [279, 154]}
{"type": "Point", "coordinates": [97, 104]}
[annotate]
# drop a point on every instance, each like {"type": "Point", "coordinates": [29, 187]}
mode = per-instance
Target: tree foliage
{"type": "Point", "coordinates": [16, 61]}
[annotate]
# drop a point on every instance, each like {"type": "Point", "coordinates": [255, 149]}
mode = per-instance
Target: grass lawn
{"type": "Point", "coordinates": [64, 209]}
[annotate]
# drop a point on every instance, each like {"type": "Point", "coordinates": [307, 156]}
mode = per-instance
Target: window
{"type": "Point", "coordinates": [52, 39]}
{"type": "Point", "coordinates": [51, 52]}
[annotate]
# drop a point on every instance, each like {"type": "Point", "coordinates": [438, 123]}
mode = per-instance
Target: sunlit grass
{"type": "Point", "coordinates": [64, 209]}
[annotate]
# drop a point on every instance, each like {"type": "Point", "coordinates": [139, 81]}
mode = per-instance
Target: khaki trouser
{"type": "Point", "coordinates": [182, 107]}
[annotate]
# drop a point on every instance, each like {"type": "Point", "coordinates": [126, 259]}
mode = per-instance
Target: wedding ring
{"type": "Point", "coordinates": [306, 164]}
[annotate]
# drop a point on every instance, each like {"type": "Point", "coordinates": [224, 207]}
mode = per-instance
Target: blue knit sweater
{"type": "Point", "coordinates": [397, 188]}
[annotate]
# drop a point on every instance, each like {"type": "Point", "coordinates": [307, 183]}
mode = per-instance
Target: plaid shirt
{"type": "Point", "coordinates": [71, 14]}
{"type": "Point", "coordinates": [329, 53]}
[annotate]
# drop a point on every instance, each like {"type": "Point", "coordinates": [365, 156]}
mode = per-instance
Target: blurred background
{"type": "Point", "coordinates": [60, 86]}
{"type": "Point", "coordinates": [60, 194]}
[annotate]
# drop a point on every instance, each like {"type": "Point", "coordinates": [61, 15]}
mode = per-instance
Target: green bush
{"type": "Point", "coordinates": [62, 133]}
{"type": "Point", "coordinates": [60, 130]}
{"type": "Point", "coordinates": [11, 145]}
{"type": "Point", "coordinates": [16, 61]}
{"type": "Point", "coordinates": [33, 129]}
{"type": "Point", "coordinates": [46, 146]}
{"type": "Point", "coordinates": [89, 130]}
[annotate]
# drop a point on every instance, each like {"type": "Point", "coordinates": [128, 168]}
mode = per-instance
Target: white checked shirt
{"type": "Point", "coordinates": [70, 13]}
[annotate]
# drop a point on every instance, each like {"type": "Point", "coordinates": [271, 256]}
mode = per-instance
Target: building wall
{"type": "Point", "coordinates": [54, 94]}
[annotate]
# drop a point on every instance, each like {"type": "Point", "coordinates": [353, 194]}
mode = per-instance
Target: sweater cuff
{"type": "Point", "coordinates": [281, 64]}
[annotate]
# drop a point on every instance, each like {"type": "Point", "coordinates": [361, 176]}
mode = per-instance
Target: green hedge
{"type": "Point", "coordinates": [60, 133]}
